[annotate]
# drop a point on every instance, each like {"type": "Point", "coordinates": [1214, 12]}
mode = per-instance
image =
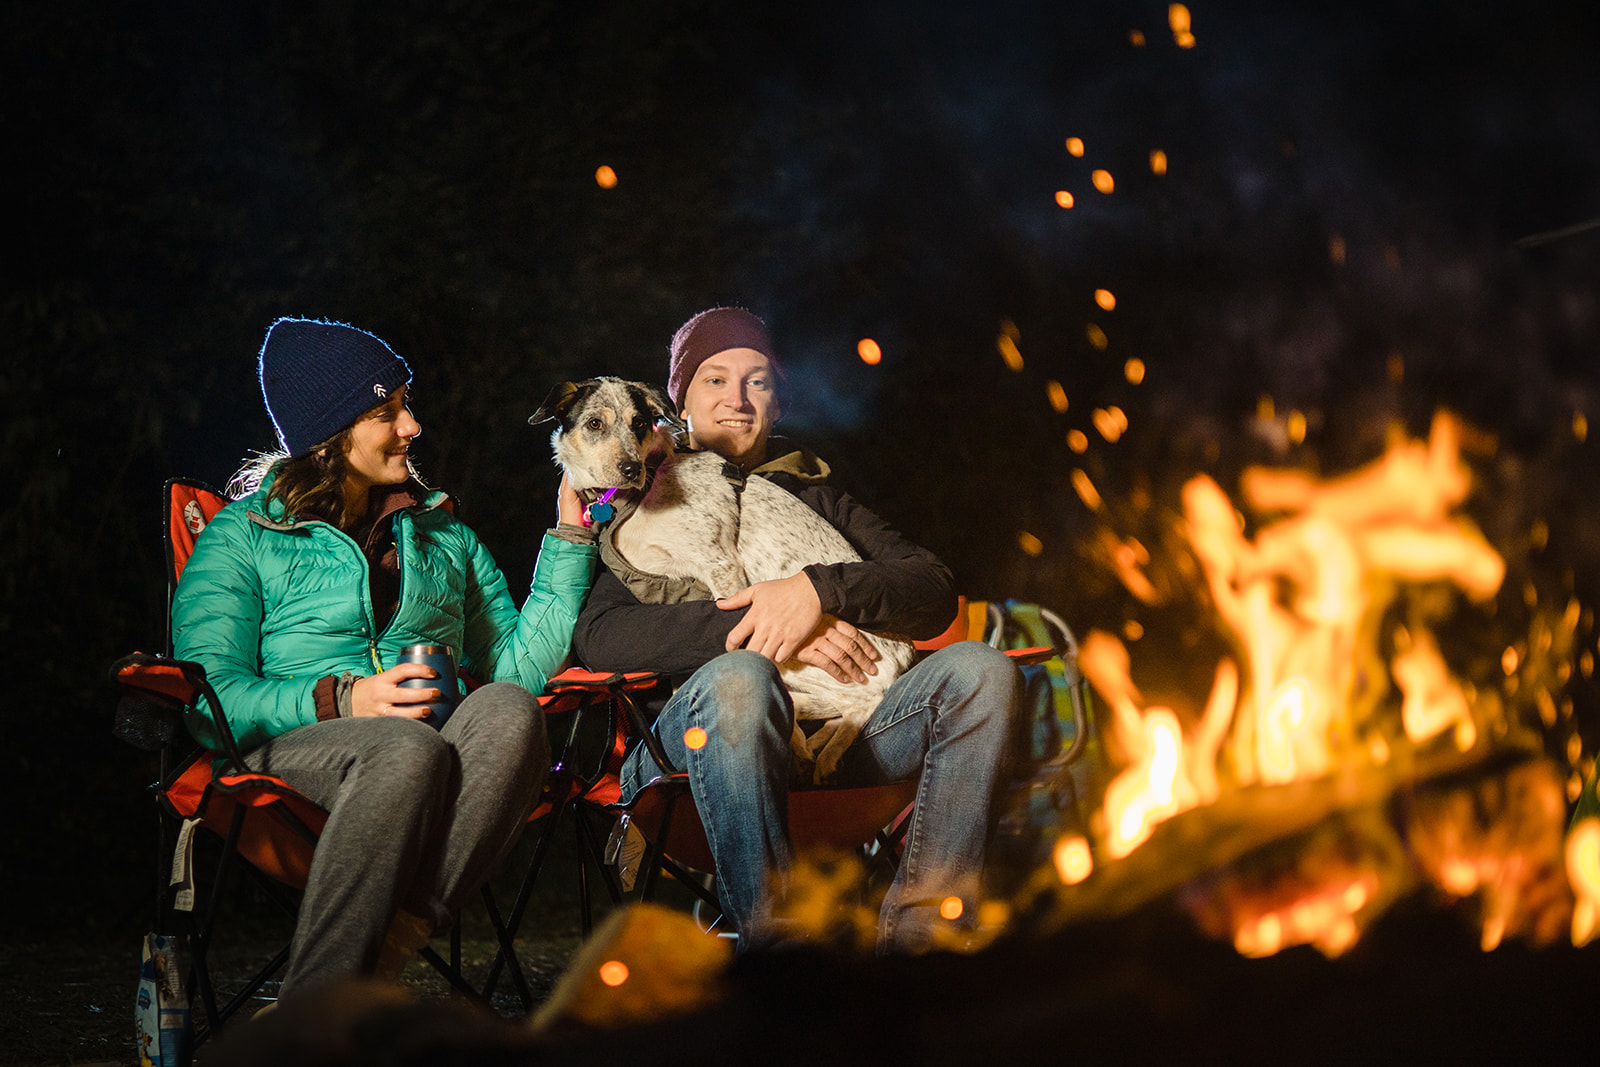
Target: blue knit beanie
{"type": "Point", "coordinates": [317, 377]}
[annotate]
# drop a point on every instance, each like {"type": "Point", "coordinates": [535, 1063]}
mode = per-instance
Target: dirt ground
{"type": "Point", "coordinates": [67, 990]}
{"type": "Point", "coordinates": [1147, 986]}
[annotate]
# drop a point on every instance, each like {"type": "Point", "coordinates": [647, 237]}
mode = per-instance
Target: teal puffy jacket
{"type": "Point", "coordinates": [270, 605]}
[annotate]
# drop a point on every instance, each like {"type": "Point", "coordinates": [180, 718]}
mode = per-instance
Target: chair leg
{"type": "Point", "coordinates": [200, 932]}
{"type": "Point", "coordinates": [507, 951]}
{"type": "Point", "coordinates": [520, 903]}
{"type": "Point", "coordinates": [450, 974]}
{"type": "Point", "coordinates": [657, 853]}
{"type": "Point", "coordinates": [585, 912]}
{"type": "Point", "coordinates": [256, 983]}
{"type": "Point", "coordinates": [690, 882]}
{"type": "Point", "coordinates": [589, 850]}
{"type": "Point", "coordinates": [597, 852]}
{"type": "Point", "coordinates": [200, 976]}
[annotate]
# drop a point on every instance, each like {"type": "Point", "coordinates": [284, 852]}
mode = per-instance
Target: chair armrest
{"type": "Point", "coordinates": [180, 681]}
{"type": "Point", "coordinates": [159, 676]}
{"type": "Point", "coordinates": [580, 686]}
{"type": "Point", "coordinates": [1027, 657]}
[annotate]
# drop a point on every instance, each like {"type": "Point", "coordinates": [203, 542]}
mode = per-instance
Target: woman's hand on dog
{"type": "Point", "coordinates": [569, 508]}
{"type": "Point", "coordinates": [381, 694]}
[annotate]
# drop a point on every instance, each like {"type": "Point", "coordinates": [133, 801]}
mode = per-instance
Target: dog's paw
{"type": "Point", "coordinates": [804, 762]}
{"type": "Point", "coordinates": [829, 743]}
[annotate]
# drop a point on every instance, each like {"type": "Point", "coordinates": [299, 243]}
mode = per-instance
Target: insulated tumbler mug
{"type": "Point", "coordinates": [442, 659]}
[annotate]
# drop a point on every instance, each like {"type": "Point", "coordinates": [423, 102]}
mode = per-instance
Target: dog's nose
{"type": "Point", "coordinates": [629, 469]}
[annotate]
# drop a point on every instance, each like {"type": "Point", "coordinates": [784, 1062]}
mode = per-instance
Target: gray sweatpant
{"type": "Point", "coordinates": [418, 818]}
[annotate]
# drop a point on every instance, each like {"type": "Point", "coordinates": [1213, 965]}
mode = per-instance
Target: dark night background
{"type": "Point", "coordinates": [182, 173]}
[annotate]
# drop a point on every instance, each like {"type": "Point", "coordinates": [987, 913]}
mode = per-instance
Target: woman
{"type": "Point", "coordinates": [298, 599]}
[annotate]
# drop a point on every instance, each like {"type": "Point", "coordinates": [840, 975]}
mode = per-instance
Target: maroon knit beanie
{"type": "Point", "coordinates": [708, 333]}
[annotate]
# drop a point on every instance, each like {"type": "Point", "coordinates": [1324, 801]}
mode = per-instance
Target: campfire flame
{"type": "Point", "coordinates": [1583, 870]}
{"type": "Point", "coordinates": [1327, 594]}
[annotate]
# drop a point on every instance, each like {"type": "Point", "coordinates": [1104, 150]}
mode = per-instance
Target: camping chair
{"type": "Point", "coordinates": [585, 790]}
{"type": "Point", "coordinates": [870, 820]}
{"type": "Point", "coordinates": [580, 787]}
{"type": "Point", "coordinates": [264, 825]}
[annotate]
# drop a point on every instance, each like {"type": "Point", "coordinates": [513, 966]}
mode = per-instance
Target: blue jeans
{"type": "Point", "coordinates": [946, 724]}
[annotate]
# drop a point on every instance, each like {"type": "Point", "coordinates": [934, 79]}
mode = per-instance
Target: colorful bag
{"type": "Point", "coordinates": [1055, 697]}
{"type": "Point", "coordinates": [161, 1009]}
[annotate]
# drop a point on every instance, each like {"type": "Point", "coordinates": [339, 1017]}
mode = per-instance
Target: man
{"type": "Point", "coordinates": [946, 723]}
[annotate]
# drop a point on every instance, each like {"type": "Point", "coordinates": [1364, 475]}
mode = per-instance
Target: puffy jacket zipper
{"type": "Point", "coordinates": [400, 591]}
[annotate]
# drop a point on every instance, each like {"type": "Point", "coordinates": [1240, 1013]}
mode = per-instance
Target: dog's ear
{"type": "Point", "coordinates": [662, 407]}
{"type": "Point", "coordinates": [556, 404]}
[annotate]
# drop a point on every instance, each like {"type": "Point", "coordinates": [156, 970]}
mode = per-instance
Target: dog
{"type": "Point", "coordinates": [683, 517]}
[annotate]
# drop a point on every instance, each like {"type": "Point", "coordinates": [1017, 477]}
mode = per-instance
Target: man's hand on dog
{"type": "Point", "coordinates": [785, 622]}
{"type": "Point", "coordinates": [840, 649]}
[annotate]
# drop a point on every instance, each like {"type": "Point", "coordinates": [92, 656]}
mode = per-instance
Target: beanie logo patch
{"type": "Point", "coordinates": [380, 390]}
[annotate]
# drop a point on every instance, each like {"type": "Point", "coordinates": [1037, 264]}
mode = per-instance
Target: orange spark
{"type": "Point", "coordinates": [1078, 441]}
{"type": "Point", "coordinates": [1158, 161]}
{"type": "Point", "coordinates": [1009, 352]}
{"type": "Point", "coordinates": [695, 737]}
{"type": "Point", "coordinates": [1105, 299]}
{"type": "Point", "coordinates": [1058, 396]}
{"type": "Point", "coordinates": [1133, 370]}
{"type": "Point", "coordinates": [1096, 336]}
{"type": "Point", "coordinates": [1102, 181]}
{"type": "Point", "coordinates": [613, 972]}
{"type": "Point", "coordinates": [1075, 146]}
{"type": "Point", "coordinates": [869, 351]}
{"type": "Point", "coordinates": [1086, 490]}
{"type": "Point", "coordinates": [1064, 198]}
{"type": "Point", "coordinates": [1030, 544]}
{"type": "Point", "coordinates": [951, 908]}
{"type": "Point", "coordinates": [1073, 860]}
{"type": "Point", "coordinates": [605, 178]}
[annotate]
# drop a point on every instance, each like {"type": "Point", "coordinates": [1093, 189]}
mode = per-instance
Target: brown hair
{"type": "Point", "coordinates": [312, 484]}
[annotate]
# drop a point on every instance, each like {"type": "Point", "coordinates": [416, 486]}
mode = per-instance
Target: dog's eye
{"type": "Point", "coordinates": [595, 424]}
{"type": "Point", "coordinates": [641, 426]}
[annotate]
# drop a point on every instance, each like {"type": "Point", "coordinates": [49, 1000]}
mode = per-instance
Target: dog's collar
{"type": "Point", "coordinates": [601, 510]}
